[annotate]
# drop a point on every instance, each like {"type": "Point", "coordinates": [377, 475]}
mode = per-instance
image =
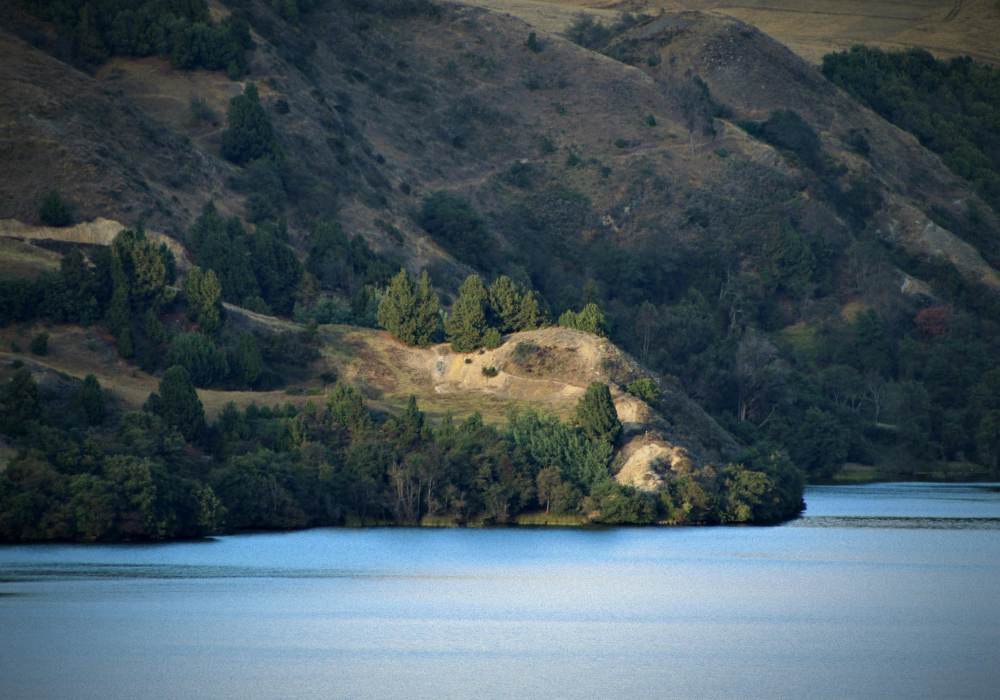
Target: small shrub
{"type": "Point", "coordinates": [40, 344]}
{"type": "Point", "coordinates": [858, 142]}
{"type": "Point", "coordinates": [55, 211]}
{"type": "Point", "coordinates": [524, 351]}
{"type": "Point", "coordinates": [573, 160]}
{"type": "Point", "coordinates": [201, 113]}
{"type": "Point", "coordinates": [534, 44]}
{"type": "Point", "coordinates": [650, 120]}
{"type": "Point", "coordinates": [621, 143]}
{"type": "Point", "coordinates": [490, 371]}
{"type": "Point", "coordinates": [644, 388]}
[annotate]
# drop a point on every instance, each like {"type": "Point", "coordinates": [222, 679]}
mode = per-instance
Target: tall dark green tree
{"type": "Point", "coordinates": [466, 323]}
{"type": "Point", "coordinates": [596, 414]}
{"type": "Point", "coordinates": [178, 403]}
{"type": "Point", "coordinates": [249, 134]}
{"type": "Point", "coordinates": [19, 402]}
{"type": "Point", "coordinates": [411, 312]}
{"type": "Point", "coordinates": [90, 401]}
{"type": "Point", "coordinates": [203, 294]}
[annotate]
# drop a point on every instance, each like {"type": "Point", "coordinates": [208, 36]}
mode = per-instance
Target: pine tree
{"type": "Point", "coordinates": [410, 312]}
{"type": "Point", "coordinates": [428, 312]}
{"type": "Point", "coordinates": [246, 363]}
{"type": "Point", "coordinates": [178, 403]}
{"type": "Point", "coordinates": [249, 134]}
{"type": "Point", "coordinates": [397, 310]}
{"type": "Point", "coordinates": [90, 400]}
{"type": "Point", "coordinates": [530, 314]}
{"type": "Point", "coordinates": [591, 319]}
{"type": "Point", "coordinates": [596, 414]}
{"type": "Point", "coordinates": [466, 323]}
{"type": "Point", "coordinates": [204, 298]}
{"type": "Point", "coordinates": [19, 402]}
{"type": "Point", "coordinates": [505, 303]}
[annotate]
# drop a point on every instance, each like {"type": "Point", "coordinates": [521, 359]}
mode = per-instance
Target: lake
{"type": "Point", "coordinates": [888, 590]}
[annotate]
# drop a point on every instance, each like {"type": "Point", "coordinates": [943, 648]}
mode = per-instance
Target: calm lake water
{"type": "Point", "coordinates": [891, 590]}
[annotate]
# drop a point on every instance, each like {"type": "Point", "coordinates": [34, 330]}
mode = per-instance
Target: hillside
{"type": "Point", "coordinates": [793, 273]}
{"type": "Point", "coordinates": [947, 28]}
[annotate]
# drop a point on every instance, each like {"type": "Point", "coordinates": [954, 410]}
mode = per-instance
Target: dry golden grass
{"type": "Point", "coordinates": [20, 259]}
{"type": "Point", "coordinates": [813, 28]}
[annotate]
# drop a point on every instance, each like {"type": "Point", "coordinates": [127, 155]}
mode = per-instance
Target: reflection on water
{"type": "Point", "coordinates": [890, 590]}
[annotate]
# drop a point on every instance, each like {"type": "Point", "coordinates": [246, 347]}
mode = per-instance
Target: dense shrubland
{"type": "Point", "coordinates": [91, 31]}
{"type": "Point", "coordinates": [951, 106]}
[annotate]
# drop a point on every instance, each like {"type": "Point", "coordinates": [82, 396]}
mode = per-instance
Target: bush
{"type": "Point", "coordinates": [55, 211]}
{"type": "Point", "coordinates": [492, 339]}
{"type": "Point", "coordinates": [206, 364]}
{"type": "Point", "coordinates": [201, 113]}
{"type": "Point", "coordinates": [644, 389]}
{"type": "Point", "coordinates": [40, 344]}
{"type": "Point", "coordinates": [490, 371]}
{"type": "Point", "coordinates": [788, 131]}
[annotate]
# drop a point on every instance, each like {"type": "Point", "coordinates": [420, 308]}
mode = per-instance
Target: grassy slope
{"type": "Point", "coordinates": [812, 28]}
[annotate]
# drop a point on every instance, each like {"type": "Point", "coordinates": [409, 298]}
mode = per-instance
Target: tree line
{"type": "Point", "coordinates": [87, 470]}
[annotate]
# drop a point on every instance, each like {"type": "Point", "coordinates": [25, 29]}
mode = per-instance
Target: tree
{"type": "Point", "coordinates": [204, 298]}
{"type": "Point", "coordinates": [428, 320]}
{"type": "Point", "coordinates": [246, 363]}
{"type": "Point", "coordinates": [466, 323]}
{"type": "Point", "coordinates": [505, 304]}
{"type": "Point", "coordinates": [178, 403]}
{"type": "Point", "coordinates": [547, 483]}
{"type": "Point", "coordinates": [19, 402]}
{"type": "Point", "coordinates": [249, 134]}
{"type": "Point", "coordinates": [596, 414]}
{"type": "Point", "coordinates": [530, 314]}
{"type": "Point", "coordinates": [55, 211]}
{"type": "Point", "coordinates": [590, 319]}
{"type": "Point", "coordinates": [204, 361]}
{"type": "Point", "coordinates": [90, 401]}
{"type": "Point", "coordinates": [410, 312]}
